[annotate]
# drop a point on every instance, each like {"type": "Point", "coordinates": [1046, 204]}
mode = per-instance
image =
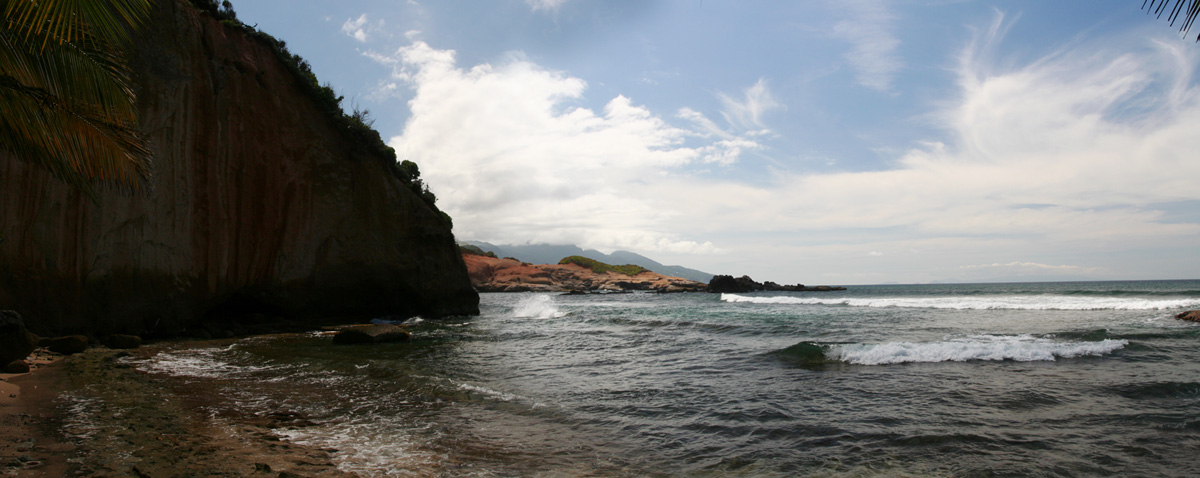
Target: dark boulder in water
{"type": "Point", "coordinates": [67, 345]}
{"type": "Point", "coordinates": [15, 342]}
{"type": "Point", "coordinates": [371, 334]}
{"type": "Point", "coordinates": [1192, 315]}
{"type": "Point", "coordinates": [728, 284]}
{"type": "Point", "coordinates": [121, 341]}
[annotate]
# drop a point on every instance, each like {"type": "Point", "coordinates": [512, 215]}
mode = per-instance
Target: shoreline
{"type": "Point", "coordinates": [30, 444]}
{"type": "Point", "coordinates": [89, 414]}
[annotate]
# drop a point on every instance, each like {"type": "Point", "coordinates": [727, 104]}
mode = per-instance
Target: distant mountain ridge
{"type": "Point", "coordinates": [552, 253]}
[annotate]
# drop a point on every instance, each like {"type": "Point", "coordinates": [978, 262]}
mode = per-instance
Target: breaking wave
{"type": "Point", "coordinates": [540, 306]}
{"type": "Point", "coordinates": [1009, 302]}
{"type": "Point", "coordinates": [1020, 348]}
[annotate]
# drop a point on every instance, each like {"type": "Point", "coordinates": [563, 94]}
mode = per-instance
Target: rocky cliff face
{"type": "Point", "coordinates": [259, 205]}
{"type": "Point", "coordinates": [489, 274]}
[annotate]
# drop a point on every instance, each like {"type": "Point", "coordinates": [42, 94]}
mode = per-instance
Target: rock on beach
{"type": "Point", "coordinates": [15, 341]}
{"type": "Point", "coordinates": [17, 366]}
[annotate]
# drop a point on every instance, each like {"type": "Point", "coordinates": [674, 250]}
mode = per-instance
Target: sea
{"type": "Point", "coordinates": [1016, 379]}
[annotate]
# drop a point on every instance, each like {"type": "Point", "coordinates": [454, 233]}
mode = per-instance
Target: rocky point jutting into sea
{"type": "Point", "coordinates": [260, 204]}
{"type": "Point", "coordinates": [492, 274]}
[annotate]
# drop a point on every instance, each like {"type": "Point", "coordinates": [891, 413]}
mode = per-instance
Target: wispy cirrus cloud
{"type": "Point", "coordinates": [746, 112]}
{"type": "Point", "coordinates": [869, 30]}
{"type": "Point", "coordinates": [1078, 152]}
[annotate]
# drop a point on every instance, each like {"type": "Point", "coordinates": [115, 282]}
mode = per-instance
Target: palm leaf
{"type": "Point", "coordinates": [65, 90]}
{"type": "Point", "coordinates": [1184, 11]}
{"type": "Point", "coordinates": [71, 21]}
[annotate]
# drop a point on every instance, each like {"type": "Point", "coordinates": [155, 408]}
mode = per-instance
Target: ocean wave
{"type": "Point", "coordinates": [1010, 302]}
{"type": "Point", "coordinates": [540, 306]}
{"type": "Point", "coordinates": [1020, 348]}
{"type": "Point", "coordinates": [1135, 292]}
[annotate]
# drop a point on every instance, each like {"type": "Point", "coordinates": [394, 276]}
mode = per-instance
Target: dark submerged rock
{"type": "Point", "coordinates": [371, 334]}
{"type": "Point", "coordinates": [67, 345]}
{"type": "Point", "coordinates": [122, 341]}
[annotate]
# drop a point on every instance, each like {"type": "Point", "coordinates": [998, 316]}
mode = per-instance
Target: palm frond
{"type": "Point", "coordinates": [76, 141]}
{"type": "Point", "coordinates": [1184, 11]}
{"type": "Point", "coordinates": [65, 91]}
{"type": "Point", "coordinates": [72, 21]}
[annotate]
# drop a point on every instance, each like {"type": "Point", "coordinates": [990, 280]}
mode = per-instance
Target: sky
{"type": "Point", "coordinates": [815, 142]}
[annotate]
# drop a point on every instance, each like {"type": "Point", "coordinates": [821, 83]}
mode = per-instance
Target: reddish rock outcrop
{"type": "Point", "coordinates": [259, 204]}
{"type": "Point", "coordinates": [489, 274]}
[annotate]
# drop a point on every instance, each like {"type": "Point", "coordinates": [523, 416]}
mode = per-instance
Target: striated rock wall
{"type": "Point", "coordinates": [259, 204]}
{"type": "Point", "coordinates": [489, 274]}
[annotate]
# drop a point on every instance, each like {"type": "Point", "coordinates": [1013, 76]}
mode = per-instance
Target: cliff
{"type": "Point", "coordinates": [489, 274]}
{"type": "Point", "coordinates": [260, 204]}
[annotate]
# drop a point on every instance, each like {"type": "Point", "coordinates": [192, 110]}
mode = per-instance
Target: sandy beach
{"type": "Point", "coordinates": [90, 415]}
{"type": "Point", "coordinates": [30, 444]}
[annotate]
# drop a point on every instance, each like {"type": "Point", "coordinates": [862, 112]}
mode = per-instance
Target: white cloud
{"type": "Point", "coordinates": [873, 45]}
{"type": "Point", "coordinates": [1067, 156]}
{"type": "Point", "coordinates": [360, 28]}
{"type": "Point", "coordinates": [747, 112]}
{"type": "Point", "coordinates": [549, 5]}
{"type": "Point", "coordinates": [1023, 265]}
{"type": "Point", "coordinates": [514, 158]}
{"type": "Point", "coordinates": [1072, 154]}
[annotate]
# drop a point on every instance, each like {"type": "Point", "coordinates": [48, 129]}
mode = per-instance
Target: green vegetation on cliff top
{"type": "Point", "coordinates": [600, 267]}
{"type": "Point", "coordinates": [469, 249]}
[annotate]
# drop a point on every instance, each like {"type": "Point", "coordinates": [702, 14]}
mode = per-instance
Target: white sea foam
{"type": "Point", "coordinates": [371, 445]}
{"type": "Point", "coordinates": [1013, 302]}
{"type": "Point", "coordinates": [1021, 348]}
{"type": "Point", "coordinates": [539, 306]}
{"type": "Point", "coordinates": [487, 392]}
{"type": "Point", "coordinates": [200, 363]}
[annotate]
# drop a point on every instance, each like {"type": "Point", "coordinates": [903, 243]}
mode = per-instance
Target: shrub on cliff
{"type": "Point", "coordinates": [475, 250]}
{"type": "Point", "coordinates": [600, 267]}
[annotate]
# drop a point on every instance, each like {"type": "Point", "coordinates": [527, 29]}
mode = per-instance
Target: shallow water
{"type": "Point", "coordinates": [1063, 379]}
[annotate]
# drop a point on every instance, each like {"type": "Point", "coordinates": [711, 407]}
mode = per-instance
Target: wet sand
{"type": "Point", "coordinates": [90, 415]}
{"type": "Point", "coordinates": [29, 441]}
